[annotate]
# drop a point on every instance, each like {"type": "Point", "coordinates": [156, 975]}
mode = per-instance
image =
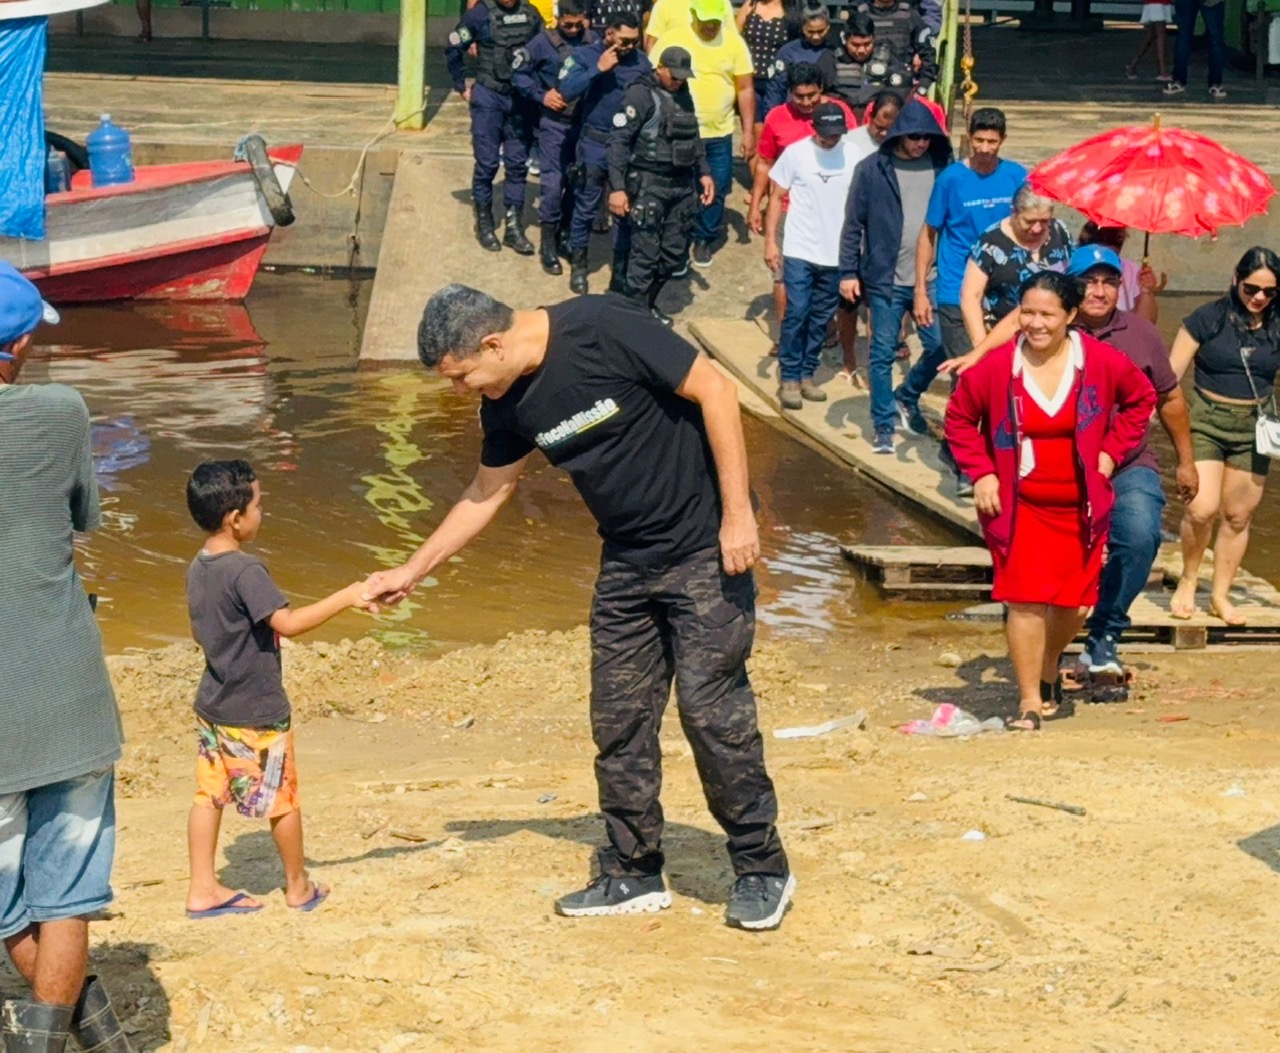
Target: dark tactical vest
{"type": "Point", "coordinates": [850, 82]}
{"type": "Point", "coordinates": [893, 27]}
{"type": "Point", "coordinates": [669, 138]}
{"type": "Point", "coordinates": [563, 48]}
{"type": "Point", "coordinates": [888, 69]}
{"type": "Point", "coordinates": [508, 30]}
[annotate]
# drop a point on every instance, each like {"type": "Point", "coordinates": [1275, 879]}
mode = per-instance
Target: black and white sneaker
{"type": "Point", "coordinates": [758, 901]}
{"type": "Point", "coordinates": [616, 895]}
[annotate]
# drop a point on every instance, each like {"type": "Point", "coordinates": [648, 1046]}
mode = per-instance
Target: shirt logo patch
{"type": "Point", "coordinates": [578, 423]}
{"type": "Point", "coordinates": [455, 38]}
{"type": "Point", "coordinates": [619, 120]}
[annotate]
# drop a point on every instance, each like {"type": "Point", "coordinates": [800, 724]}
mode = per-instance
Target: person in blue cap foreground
{"type": "Point", "coordinates": [1133, 540]}
{"type": "Point", "coordinates": [61, 726]}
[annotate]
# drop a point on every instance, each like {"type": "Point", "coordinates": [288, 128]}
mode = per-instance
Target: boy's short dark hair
{"type": "Point", "coordinates": [618, 19]}
{"type": "Point", "coordinates": [216, 488]}
{"type": "Point", "coordinates": [805, 74]}
{"type": "Point", "coordinates": [987, 119]}
{"type": "Point", "coordinates": [572, 7]}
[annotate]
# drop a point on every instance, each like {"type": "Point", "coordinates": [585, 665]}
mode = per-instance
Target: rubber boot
{"type": "Point", "coordinates": [484, 229]}
{"type": "Point", "coordinates": [578, 272]}
{"type": "Point", "coordinates": [94, 1023]}
{"type": "Point", "coordinates": [514, 237]}
{"type": "Point", "coordinates": [34, 1027]}
{"type": "Point", "coordinates": [547, 249]}
{"type": "Point", "coordinates": [562, 242]}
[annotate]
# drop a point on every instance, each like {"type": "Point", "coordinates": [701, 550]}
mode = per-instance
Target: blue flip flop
{"type": "Point", "coordinates": [231, 906]}
{"type": "Point", "coordinates": [317, 897]}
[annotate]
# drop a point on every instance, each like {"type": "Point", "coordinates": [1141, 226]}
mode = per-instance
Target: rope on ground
{"type": "Point", "coordinates": [350, 188]}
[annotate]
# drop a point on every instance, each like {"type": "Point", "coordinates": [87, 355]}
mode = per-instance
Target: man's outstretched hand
{"type": "Point", "coordinates": [389, 587]}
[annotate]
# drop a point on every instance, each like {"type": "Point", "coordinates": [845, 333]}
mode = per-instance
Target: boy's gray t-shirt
{"type": "Point", "coordinates": [231, 597]}
{"type": "Point", "coordinates": [915, 186]}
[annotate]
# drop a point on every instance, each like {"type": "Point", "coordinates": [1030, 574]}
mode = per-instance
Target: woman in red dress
{"type": "Point", "coordinates": [1039, 425]}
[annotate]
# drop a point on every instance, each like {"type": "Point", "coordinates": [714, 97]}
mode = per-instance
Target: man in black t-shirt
{"type": "Point", "coordinates": [651, 436]}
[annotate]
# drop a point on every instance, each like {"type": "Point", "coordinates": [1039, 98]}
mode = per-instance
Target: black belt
{"type": "Point", "coordinates": [662, 171]}
{"type": "Point", "coordinates": [493, 84]}
{"type": "Point", "coordinates": [596, 135]}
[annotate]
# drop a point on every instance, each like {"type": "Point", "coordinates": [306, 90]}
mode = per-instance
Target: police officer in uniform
{"type": "Point", "coordinates": [599, 74]}
{"type": "Point", "coordinates": [853, 84]}
{"type": "Point", "coordinates": [536, 71]}
{"type": "Point", "coordinates": [817, 43]}
{"type": "Point", "coordinates": [502, 122]}
{"type": "Point", "coordinates": [904, 49]}
{"type": "Point", "coordinates": [658, 174]}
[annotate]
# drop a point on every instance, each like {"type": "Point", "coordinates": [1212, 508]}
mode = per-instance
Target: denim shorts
{"type": "Point", "coordinates": [57, 844]}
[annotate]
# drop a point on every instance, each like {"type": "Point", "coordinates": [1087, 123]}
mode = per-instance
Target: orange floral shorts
{"type": "Point", "coordinates": [250, 767]}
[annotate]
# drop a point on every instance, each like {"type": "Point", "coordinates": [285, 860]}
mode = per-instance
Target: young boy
{"type": "Point", "coordinates": [246, 744]}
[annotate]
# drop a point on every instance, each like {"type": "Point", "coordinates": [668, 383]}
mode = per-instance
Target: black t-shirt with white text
{"type": "Point", "coordinates": [602, 406]}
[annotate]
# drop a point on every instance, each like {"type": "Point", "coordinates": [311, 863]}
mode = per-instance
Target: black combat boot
{"type": "Point", "coordinates": [94, 1023]}
{"type": "Point", "coordinates": [618, 277]}
{"type": "Point", "coordinates": [514, 237]}
{"type": "Point", "coordinates": [484, 229]}
{"type": "Point", "coordinates": [578, 271]}
{"type": "Point", "coordinates": [34, 1027]}
{"type": "Point", "coordinates": [651, 301]}
{"type": "Point", "coordinates": [547, 248]}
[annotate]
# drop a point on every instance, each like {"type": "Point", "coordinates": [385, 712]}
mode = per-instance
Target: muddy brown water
{"type": "Point", "coordinates": [357, 467]}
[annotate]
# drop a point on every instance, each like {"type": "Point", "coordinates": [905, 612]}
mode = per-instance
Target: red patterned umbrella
{"type": "Point", "coordinates": [1158, 180]}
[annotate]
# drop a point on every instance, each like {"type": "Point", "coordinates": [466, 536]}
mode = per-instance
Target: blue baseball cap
{"type": "Point", "coordinates": [22, 308]}
{"type": "Point", "coordinates": [1087, 257]}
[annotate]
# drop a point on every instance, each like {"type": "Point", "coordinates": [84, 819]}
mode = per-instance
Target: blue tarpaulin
{"type": "Point", "coordinates": [22, 48]}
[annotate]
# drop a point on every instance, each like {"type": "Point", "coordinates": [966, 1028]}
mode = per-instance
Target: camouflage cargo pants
{"type": "Point", "coordinates": [691, 622]}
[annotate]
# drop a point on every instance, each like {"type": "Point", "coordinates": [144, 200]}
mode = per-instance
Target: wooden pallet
{"type": "Point", "coordinates": [964, 573]}
{"type": "Point", "coordinates": [934, 572]}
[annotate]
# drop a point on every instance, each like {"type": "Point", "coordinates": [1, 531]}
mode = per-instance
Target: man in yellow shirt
{"type": "Point", "coordinates": [723, 79]}
{"type": "Point", "coordinates": [674, 14]}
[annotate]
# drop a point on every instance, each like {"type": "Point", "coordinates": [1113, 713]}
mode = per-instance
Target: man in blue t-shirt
{"type": "Point", "coordinates": [968, 197]}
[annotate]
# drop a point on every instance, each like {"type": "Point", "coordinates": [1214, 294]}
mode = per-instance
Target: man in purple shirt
{"type": "Point", "coordinates": [1135, 520]}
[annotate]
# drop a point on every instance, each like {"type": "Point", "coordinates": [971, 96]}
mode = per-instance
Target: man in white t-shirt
{"type": "Point", "coordinates": [815, 173]}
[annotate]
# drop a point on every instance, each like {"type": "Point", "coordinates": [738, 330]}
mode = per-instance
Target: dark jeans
{"type": "Point", "coordinates": [887, 312]}
{"type": "Point", "coordinates": [720, 161]}
{"type": "Point", "coordinates": [812, 295]}
{"type": "Point", "coordinates": [955, 337]}
{"type": "Point", "coordinates": [691, 622]}
{"type": "Point", "coordinates": [1214, 23]}
{"type": "Point", "coordinates": [1132, 545]}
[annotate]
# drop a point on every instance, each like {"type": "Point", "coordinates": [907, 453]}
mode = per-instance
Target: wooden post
{"type": "Point", "coordinates": [413, 62]}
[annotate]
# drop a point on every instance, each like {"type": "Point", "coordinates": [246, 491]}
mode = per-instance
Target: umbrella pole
{"type": "Point", "coordinates": [1146, 249]}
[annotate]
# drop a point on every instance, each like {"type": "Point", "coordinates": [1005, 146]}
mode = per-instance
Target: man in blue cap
{"type": "Point", "coordinates": [61, 728]}
{"type": "Point", "coordinates": [1134, 539]}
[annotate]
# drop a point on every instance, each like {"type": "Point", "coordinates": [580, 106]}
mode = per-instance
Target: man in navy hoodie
{"type": "Point", "coordinates": [883, 216]}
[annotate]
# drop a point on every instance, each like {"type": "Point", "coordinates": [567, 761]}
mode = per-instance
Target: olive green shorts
{"type": "Point", "coordinates": [1222, 432]}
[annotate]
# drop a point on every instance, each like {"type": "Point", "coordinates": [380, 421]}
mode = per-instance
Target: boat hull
{"type": "Point", "coordinates": [188, 232]}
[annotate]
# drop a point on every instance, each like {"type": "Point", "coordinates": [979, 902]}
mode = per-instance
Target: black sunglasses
{"type": "Point", "coordinates": [1250, 290]}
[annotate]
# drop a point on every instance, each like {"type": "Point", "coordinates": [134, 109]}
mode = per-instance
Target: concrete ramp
{"type": "Point", "coordinates": [842, 425]}
{"type": "Point", "coordinates": [429, 242]}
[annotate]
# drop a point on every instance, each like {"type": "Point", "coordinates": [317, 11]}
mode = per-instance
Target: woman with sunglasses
{"type": "Point", "coordinates": [1235, 345]}
{"type": "Point", "coordinates": [1027, 241]}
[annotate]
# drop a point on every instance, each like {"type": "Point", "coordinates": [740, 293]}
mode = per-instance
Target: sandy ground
{"type": "Point", "coordinates": [449, 800]}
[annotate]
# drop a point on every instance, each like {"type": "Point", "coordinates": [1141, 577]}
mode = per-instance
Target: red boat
{"type": "Point", "coordinates": [177, 232]}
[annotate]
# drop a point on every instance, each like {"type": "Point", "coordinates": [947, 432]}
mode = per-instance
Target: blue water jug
{"type": "Point", "coordinates": [110, 154]}
{"type": "Point", "coordinates": [57, 172]}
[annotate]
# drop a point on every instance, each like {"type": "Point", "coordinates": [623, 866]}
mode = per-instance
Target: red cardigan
{"type": "Point", "coordinates": [1114, 403]}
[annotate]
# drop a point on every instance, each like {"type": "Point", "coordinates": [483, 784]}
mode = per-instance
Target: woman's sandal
{"type": "Point", "coordinates": [1029, 718]}
{"type": "Point", "coordinates": [1235, 622]}
{"type": "Point", "coordinates": [1053, 704]}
